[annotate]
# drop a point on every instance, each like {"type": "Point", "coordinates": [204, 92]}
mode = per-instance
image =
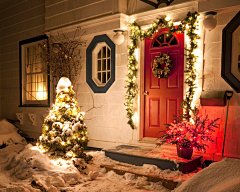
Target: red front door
{"type": "Point", "coordinates": [162, 96]}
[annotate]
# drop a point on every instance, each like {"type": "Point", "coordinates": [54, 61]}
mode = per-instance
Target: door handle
{"type": "Point", "coordinates": [146, 92]}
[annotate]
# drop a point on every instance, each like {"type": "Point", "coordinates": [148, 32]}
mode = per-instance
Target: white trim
{"type": "Point", "coordinates": [176, 12]}
{"type": "Point", "coordinates": [235, 52]}
{"type": "Point", "coordinates": [95, 63]}
{"type": "Point", "coordinates": [116, 21]}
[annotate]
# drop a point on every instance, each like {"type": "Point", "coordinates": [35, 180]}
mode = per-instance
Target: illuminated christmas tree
{"type": "Point", "coordinates": [64, 132]}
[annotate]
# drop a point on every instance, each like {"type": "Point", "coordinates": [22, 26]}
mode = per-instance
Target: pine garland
{"type": "Point", "coordinates": [189, 24]}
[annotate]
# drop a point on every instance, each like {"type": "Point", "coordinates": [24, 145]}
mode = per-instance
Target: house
{"type": "Point", "coordinates": [101, 86]}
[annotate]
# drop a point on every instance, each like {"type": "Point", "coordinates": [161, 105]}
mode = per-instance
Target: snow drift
{"type": "Point", "coordinates": [223, 176]}
{"type": "Point", "coordinates": [8, 134]}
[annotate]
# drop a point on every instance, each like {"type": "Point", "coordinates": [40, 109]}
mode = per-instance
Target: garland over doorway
{"type": "Point", "coordinates": [190, 25]}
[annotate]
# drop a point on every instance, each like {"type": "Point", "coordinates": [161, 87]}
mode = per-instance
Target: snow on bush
{"type": "Point", "coordinates": [8, 134]}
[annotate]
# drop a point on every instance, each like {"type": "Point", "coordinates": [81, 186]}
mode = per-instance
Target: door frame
{"type": "Point", "coordinates": [142, 85]}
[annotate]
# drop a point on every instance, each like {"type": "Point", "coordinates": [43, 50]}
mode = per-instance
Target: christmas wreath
{"type": "Point", "coordinates": [162, 66]}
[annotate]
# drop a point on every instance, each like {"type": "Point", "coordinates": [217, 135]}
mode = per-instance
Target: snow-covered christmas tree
{"type": "Point", "coordinates": [64, 132]}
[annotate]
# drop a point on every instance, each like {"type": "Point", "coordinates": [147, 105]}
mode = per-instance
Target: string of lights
{"type": "Point", "coordinates": [190, 25]}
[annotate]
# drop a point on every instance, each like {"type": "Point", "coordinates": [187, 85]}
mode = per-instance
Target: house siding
{"type": "Point", "coordinates": [64, 13]}
{"type": "Point", "coordinates": [19, 20]}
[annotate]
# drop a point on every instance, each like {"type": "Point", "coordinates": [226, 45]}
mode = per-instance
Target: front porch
{"type": "Point", "coordinates": [163, 157]}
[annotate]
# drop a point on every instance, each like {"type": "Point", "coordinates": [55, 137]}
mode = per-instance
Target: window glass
{"type": "Point", "coordinates": [165, 39]}
{"type": "Point", "coordinates": [34, 78]}
{"type": "Point", "coordinates": [104, 64]}
{"type": "Point", "coordinates": [100, 59]}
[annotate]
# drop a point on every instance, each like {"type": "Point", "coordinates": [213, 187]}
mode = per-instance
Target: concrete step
{"type": "Point", "coordinates": [163, 158]}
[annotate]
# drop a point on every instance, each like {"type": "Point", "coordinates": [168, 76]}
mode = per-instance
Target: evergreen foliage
{"type": "Point", "coordinates": [64, 132]}
{"type": "Point", "coordinates": [188, 25]}
{"type": "Point", "coordinates": [186, 134]}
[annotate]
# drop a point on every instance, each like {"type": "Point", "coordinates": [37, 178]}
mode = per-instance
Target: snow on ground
{"type": "Point", "coordinates": [24, 168]}
{"type": "Point", "coordinates": [8, 133]}
{"type": "Point", "coordinates": [21, 165]}
{"type": "Point", "coordinates": [223, 176]}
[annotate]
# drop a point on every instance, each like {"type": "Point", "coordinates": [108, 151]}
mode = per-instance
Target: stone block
{"type": "Point", "coordinates": [116, 109]}
{"type": "Point", "coordinates": [213, 50]}
{"type": "Point", "coordinates": [101, 144]}
{"type": "Point", "coordinates": [118, 85]}
{"type": "Point", "coordinates": [214, 36]}
{"type": "Point", "coordinates": [115, 97]}
{"type": "Point", "coordinates": [122, 59]}
{"type": "Point", "coordinates": [99, 98]}
{"type": "Point", "coordinates": [220, 83]}
{"type": "Point", "coordinates": [212, 66]}
{"type": "Point", "coordinates": [124, 135]}
{"type": "Point", "coordinates": [82, 87]}
{"type": "Point", "coordinates": [84, 98]}
{"type": "Point", "coordinates": [117, 121]}
{"type": "Point", "coordinates": [208, 83]}
{"type": "Point", "coordinates": [121, 72]}
{"type": "Point", "coordinates": [107, 134]}
{"type": "Point", "coordinates": [92, 132]}
{"type": "Point", "coordinates": [101, 109]}
{"type": "Point", "coordinates": [225, 18]}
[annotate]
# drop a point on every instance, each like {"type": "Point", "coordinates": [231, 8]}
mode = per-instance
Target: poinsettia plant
{"type": "Point", "coordinates": [196, 133]}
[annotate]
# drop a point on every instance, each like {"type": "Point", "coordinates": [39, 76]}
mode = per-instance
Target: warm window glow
{"type": "Point", "coordinates": [104, 65]}
{"type": "Point", "coordinates": [36, 80]}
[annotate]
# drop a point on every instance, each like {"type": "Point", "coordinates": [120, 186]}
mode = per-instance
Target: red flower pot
{"type": "Point", "coordinates": [184, 152]}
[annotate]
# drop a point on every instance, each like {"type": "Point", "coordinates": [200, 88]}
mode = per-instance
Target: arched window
{"type": "Point", "coordinates": [165, 39]}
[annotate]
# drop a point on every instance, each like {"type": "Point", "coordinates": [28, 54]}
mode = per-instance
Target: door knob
{"type": "Point", "coordinates": [146, 92]}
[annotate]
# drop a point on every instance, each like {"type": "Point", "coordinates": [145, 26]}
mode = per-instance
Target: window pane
{"type": "Point", "coordinates": [39, 94]}
{"type": "Point", "coordinates": [99, 77]}
{"type": "Point", "coordinates": [45, 87]}
{"type": "Point", "coordinates": [29, 77]}
{"type": "Point", "coordinates": [45, 77]}
{"type": "Point", "coordinates": [28, 68]}
{"type": "Point", "coordinates": [38, 67]}
{"type": "Point", "coordinates": [45, 96]}
{"type": "Point", "coordinates": [104, 52]}
{"type": "Point", "coordinates": [33, 78]}
{"type": "Point", "coordinates": [99, 65]}
{"type": "Point", "coordinates": [156, 44]}
{"type": "Point", "coordinates": [161, 38]}
{"type": "Point", "coordinates": [29, 87]}
{"type": "Point", "coordinates": [99, 54]}
{"type": "Point", "coordinates": [40, 77]}
{"type": "Point", "coordinates": [33, 95]}
{"type": "Point", "coordinates": [104, 77]}
{"type": "Point", "coordinates": [33, 86]}
{"type": "Point", "coordinates": [104, 65]}
{"type": "Point", "coordinates": [174, 41]}
{"type": "Point", "coordinates": [168, 37]}
{"type": "Point", "coordinates": [108, 52]}
{"type": "Point", "coordinates": [108, 75]}
{"type": "Point", "coordinates": [29, 96]}
{"type": "Point", "coordinates": [108, 64]}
